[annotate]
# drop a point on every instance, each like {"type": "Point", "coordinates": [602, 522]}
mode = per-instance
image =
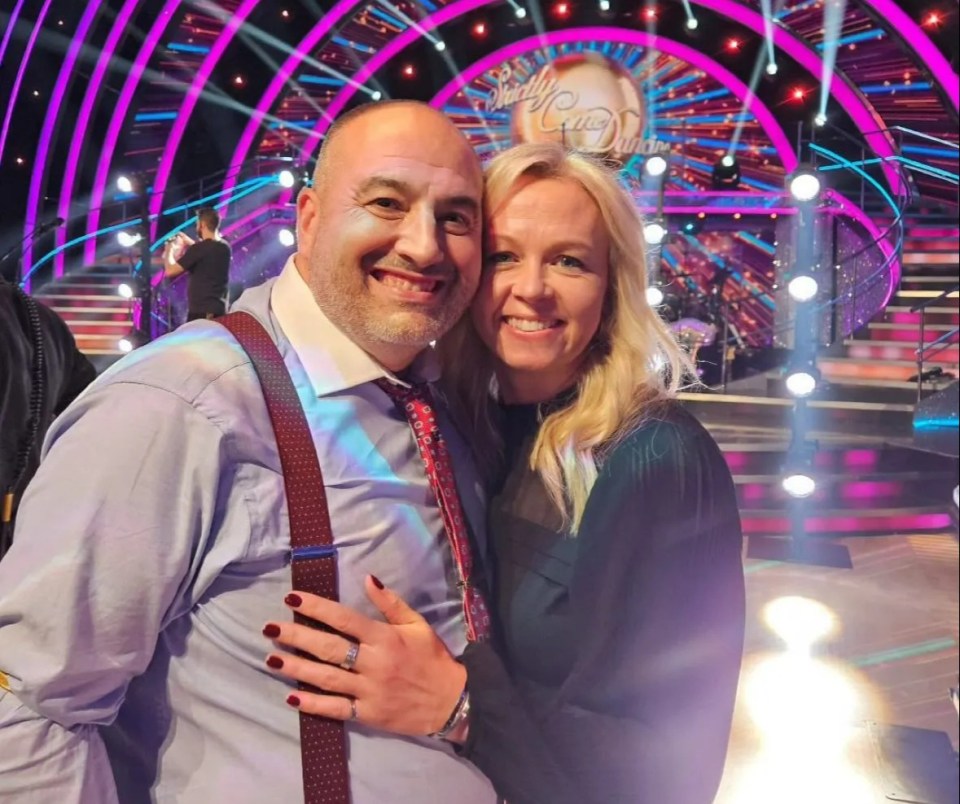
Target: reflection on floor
{"type": "Point", "coordinates": [834, 655]}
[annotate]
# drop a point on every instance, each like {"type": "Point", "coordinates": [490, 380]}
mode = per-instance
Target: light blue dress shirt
{"type": "Point", "coordinates": [152, 546]}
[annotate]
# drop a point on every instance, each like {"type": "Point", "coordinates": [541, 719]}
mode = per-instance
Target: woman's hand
{"type": "Point", "coordinates": [403, 679]}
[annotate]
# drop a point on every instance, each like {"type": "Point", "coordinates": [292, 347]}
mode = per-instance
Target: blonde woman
{"type": "Point", "coordinates": [616, 571]}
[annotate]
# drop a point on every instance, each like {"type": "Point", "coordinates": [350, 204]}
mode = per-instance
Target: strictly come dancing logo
{"type": "Point", "coordinates": [583, 100]}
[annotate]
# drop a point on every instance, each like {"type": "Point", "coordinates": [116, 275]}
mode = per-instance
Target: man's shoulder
{"type": "Point", "coordinates": [186, 363]}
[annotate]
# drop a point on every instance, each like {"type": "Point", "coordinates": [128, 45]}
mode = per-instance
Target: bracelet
{"type": "Point", "coordinates": [457, 716]}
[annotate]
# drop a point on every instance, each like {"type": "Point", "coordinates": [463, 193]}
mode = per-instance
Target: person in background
{"type": "Point", "coordinates": [206, 260]}
{"type": "Point", "coordinates": [613, 522]}
{"type": "Point", "coordinates": [41, 372]}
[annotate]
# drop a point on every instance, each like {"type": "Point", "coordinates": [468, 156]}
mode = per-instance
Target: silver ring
{"type": "Point", "coordinates": [351, 658]}
{"type": "Point", "coordinates": [353, 708]}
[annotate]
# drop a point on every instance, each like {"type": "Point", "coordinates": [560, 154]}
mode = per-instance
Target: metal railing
{"type": "Point", "coordinates": [926, 350]}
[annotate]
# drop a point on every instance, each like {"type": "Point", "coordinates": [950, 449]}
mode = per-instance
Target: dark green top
{"type": "Point", "coordinates": [621, 647]}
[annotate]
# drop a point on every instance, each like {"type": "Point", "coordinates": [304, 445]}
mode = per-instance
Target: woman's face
{"type": "Point", "coordinates": [544, 282]}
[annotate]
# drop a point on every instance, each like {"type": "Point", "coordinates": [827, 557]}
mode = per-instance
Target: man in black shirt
{"type": "Point", "coordinates": [207, 260]}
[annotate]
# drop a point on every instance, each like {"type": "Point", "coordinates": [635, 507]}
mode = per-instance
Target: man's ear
{"type": "Point", "coordinates": [308, 218]}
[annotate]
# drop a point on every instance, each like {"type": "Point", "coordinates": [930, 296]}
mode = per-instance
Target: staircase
{"type": "Point", "coordinates": [93, 310]}
{"type": "Point", "coordinates": [882, 355]}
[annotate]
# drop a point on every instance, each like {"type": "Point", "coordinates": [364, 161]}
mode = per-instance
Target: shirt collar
{"type": "Point", "coordinates": [331, 360]}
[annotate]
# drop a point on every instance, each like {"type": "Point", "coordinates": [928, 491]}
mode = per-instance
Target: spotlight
{"type": "Point", "coordinates": [801, 382]}
{"type": "Point", "coordinates": [125, 184]}
{"type": "Point", "coordinates": [650, 14]}
{"type": "Point", "coordinates": [239, 80]}
{"type": "Point", "coordinates": [286, 179]}
{"type": "Point", "coordinates": [804, 185]}
{"type": "Point", "coordinates": [409, 71]}
{"type": "Point", "coordinates": [654, 233]}
{"type": "Point", "coordinates": [286, 237]}
{"type": "Point", "coordinates": [733, 45]}
{"type": "Point", "coordinates": [134, 339]}
{"type": "Point", "coordinates": [128, 240]}
{"type": "Point", "coordinates": [440, 45]}
{"type": "Point", "coordinates": [561, 10]}
{"type": "Point", "coordinates": [799, 621]}
{"type": "Point", "coordinates": [655, 166]}
{"type": "Point", "coordinates": [521, 13]}
{"type": "Point", "coordinates": [692, 24]}
{"type": "Point", "coordinates": [798, 484]}
{"type": "Point", "coordinates": [803, 288]}
{"type": "Point", "coordinates": [692, 226]}
{"type": "Point", "coordinates": [376, 95]}
{"type": "Point", "coordinates": [654, 296]}
{"type": "Point", "coordinates": [480, 30]}
{"type": "Point", "coordinates": [772, 68]}
{"type": "Point", "coordinates": [125, 290]}
{"type": "Point", "coordinates": [820, 120]}
{"type": "Point", "coordinates": [726, 173]}
{"type": "Point", "coordinates": [604, 5]}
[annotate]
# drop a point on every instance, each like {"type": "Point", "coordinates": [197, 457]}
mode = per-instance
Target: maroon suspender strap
{"type": "Point", "coordinates": [314, 560]}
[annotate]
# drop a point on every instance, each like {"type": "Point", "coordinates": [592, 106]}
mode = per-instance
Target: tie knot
{"type": "Point", "coordinates": [400, 393]}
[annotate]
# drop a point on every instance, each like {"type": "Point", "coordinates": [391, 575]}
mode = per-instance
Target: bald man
{"type": "Point", "coordinates": [154, 541]}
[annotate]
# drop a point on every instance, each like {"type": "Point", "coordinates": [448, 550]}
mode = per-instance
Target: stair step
{"type": "Point", "coordinates": [894, 350]}
{"type": "Point", "coordinates": [930, 258]}
{"type": "Point", "coordinates": [112, 329]}
{"type": "Point", "coordinates": [80, 298]}
{"type": "Point", "coordinates": [93, 313]}
{"type": "Point", "coordinates": [900, 334]}
{"type": "Point", "coordinates": [901, 314]}
{"type": "Point", "coordinates": [836, 369]}
{"type": "Point", "coordinates": [917, 293]}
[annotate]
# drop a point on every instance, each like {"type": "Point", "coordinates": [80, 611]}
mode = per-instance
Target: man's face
{"type": "Point", "coordinates": [390, 241]}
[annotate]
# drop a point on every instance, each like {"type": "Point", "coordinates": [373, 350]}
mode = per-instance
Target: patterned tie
{"type": "Point", "coordinates": [417, 405]}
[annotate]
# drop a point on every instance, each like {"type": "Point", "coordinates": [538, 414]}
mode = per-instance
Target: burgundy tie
{"type": "Point", "coordinates": [417, 405]}
{"type": "Point", "coordinates": [323, 751]}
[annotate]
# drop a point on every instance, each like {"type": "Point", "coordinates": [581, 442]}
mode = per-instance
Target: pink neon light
{"type": "Point", "coordinates": [18, 80]}
{"type": "Point", "coordinates": [287, 69]}
{"type": "Point", "coordinates": [49, 124]}
{"type": "Point", "coordinates": [11, 24]}
{"type": "Point", "coordinates": [83, 119]}
{"type": "Point", "coordinates": [190, 101]}
{"type": "Point", "coordinates": [117, 120]}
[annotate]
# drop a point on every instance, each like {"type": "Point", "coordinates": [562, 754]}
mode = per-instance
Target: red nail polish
{"type": "Point", "coordinates": [376, 581]}
{"type": "Point", "coordinates": [293, 599]}
{"type": "Point", "coordinates": [293, 700]}
{"type": "Point", "coordinates": [275, 662]}
{"type": "Point", "coordinates": [271, 631]}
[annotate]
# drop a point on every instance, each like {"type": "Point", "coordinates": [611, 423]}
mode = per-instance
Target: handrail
{"type": "Point", "coordinates": [928, 302]}
{"type": "Point", "coordinates": [940, 343]}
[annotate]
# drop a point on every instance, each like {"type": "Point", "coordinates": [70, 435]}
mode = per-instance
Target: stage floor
{"type": "Point", "coordinates": [810, 726]}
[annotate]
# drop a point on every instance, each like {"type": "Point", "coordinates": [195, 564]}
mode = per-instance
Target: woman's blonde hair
{"type": "Point", "coordinates": [633, 363]}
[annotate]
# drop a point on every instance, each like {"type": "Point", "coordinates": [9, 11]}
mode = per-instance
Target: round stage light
{"type": "Point", "coordinates": [728, 160]}
{"type": "Point", "coordinates": [805, 186]}
{"type": "Point", "coordinates": [654, 296]}
{"type": "Point", "coordinates": [521, 13]}
{"type": "Point", "coordinates": [286, 237]}
{"type": "Point", "coordinates": [604, 5]}
{"type": "Point", "coordinates": [800, 383]}
{"type": "Point", "coordinates": [802, 288]}
{"type": "Point", "coordinates": [127, 240]}
{"type": "Point", "coordinates": [440, 45]}
{"type": "Point", "coordinates": [376, 95]}
{"type": "Point", "coordinates": [286, 178]}
{"type": "Point", "coordinates": [654, 233]}
{"type": "Point", "coordinates": [799, 484]}
{"type": "Point", "coordinates": [125, 290]}
{"type": "Point", "coordinates": [655, 166]}
{"type": "Point", "coordinates": [692, 24]}
{"type": "Point", "coordinates": [125, 345]}
{"type": "Point", "coordinates": [820, 120]}
{"type": "Point", "coordinates": [772, 68]}
{"type": "Point", "coordinates": [125, 184]}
